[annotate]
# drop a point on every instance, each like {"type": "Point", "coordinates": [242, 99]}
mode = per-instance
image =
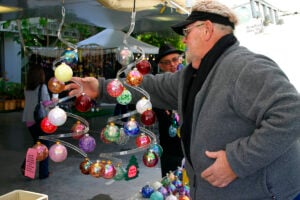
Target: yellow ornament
{"type": "Point", "coordinates": [63, 72]}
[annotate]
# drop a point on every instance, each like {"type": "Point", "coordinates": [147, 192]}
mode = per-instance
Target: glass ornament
{"type": "Point", "coordinates": [171, 188]}
{"type": "Point", "coordinates": [177, 183]}
{"type": "Point", "coordinates": [150, 159]}
{"type": "Point", "coordinates": [183, 197]}
{"type": "Point", "coordinates": [148, 117]}
{"type": "Point", "coordinates": [165, 181]}
{"type": "Point", "coordinates": [83, 103]}
{"type": "Point", "coordinates": [87, 143]}
{"type": "Point", "coordinates": [184, 190]}
{"type": "Point", "coordinates": [143, 66]}
{"type": "Point", "coordinates": [156, 185]}
{"type": "Point", "coordinates": [146, 191]}
{"type": "Point", "coordinates": [172, 176]}
{"type": "Point", "coordinates": [124, 56]}
{"type": "Point", "coordinates": [142, 105]}
{"type": "Point", "coordinates": [123, 139]}
{"type": "Point", "coordinates": [109, 170]}
{"type": "Point", "coordinates": [114, 88]}
{"type": "Point", "coordinates": [157, 149]}
{"type": "Point", "coordinates": [171, 197]}
{"type": "Point", "coordinates": [163, 191]}
{"type": "Point", "coordinates": [58, 152]}
{"type": "Point", "coordinates": [85, 166]}
{"type": "Point", "coordinates": [178, 173]}
{"type": "Point", "coordinates": [125, 97]}
{"type": "Point", "coordinates": [63, 72]}
{"type": "Point", "coordinates": [78, 130]}
{"type": "Point", "coordinates": [120, 173]}
{"type": "Point", "coordinates": [102, 136]}
{"type": "Point", "coordinates": [142, 140]}
{"type": "Point", "coordinates": [131, 127]}
{"type": "Point", "coordinates": [47, 127]}
{"type": "Point", "coordinates": [70, 56]}
{"type": "Point", "coordinates": [156, 195]}
{"type": "Point", "coordinates": [112, 132]}
{"type": "Point", "coordinates": [134, 77]}
{"type": "Point", "coordinates": [95, 169]}
{"type": "Point", "coordinates": [55, 86]}
{"type": "Point", "coordinates": [172, 131]}
{"type": "Point", "coordinates": [57, 116]}
{"type": "Point", "coordinates": [42, 151]}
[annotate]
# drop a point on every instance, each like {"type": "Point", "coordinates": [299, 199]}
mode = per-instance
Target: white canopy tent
{"type": "Point", "coordinates": [110, 38]}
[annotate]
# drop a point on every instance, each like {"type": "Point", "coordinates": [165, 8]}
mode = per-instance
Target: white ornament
{"type": "Point", "coordinates": [142, 105]}
{"type": "Point", "coordinates": [57, 116]}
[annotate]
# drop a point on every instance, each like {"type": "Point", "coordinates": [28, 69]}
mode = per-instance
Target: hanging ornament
{"type": "Point", "coordinates": [178, 173]}
{"type": "Point", "coordinates": [85, 166]}
{"type": "Point", "coordinates": [78, 130]}
{"type": "Point", "coordinates": [58, 152]}
{"type": "Point", "coordinates": [146, 191]}
{"type": "Point", "coordinates": [42, 151]}
{"type": "Point", "coordinates": [134, 77]}
{"type": "Point", "coordinates": [172, 131]}
{"type": "Point", "coordinates": [63, 72]}
{"type": "Point", "coordinates": [125, 97]}
{"type": "Point", "coordinates": [142, 140]}
{"type": "Point", "coordinates": [47, 127]}
{"type": "Point", "coordinates": [120, 173]}
{"type": "Point", "coordinates": [83, 103]}
{"type": "Point", "coordinates": [57, 116]}
{"type": "Point", "coordinates": [114, 88]}
{"type": "Point", "coordinates": [55, 86]}
{"type": "Point", "coordinates": [131, 127]}
{"type": "Point", "coordinates": [123, 139]}
{"type": "Point", "coordinates": [109, 170]}
{"type": "Point", "coordinates": [102, 136]}
{"type": "Point", "coordinates": [124, 56]}
{"type": "Point", "coordinates": [142, 105]}
{"type": "Point", "coordinates": [95, 169]}
{"type": "Point", "coordinates": [150, 158]}
{"type": "Point", "coordinates": [156, 148]}
{"type": "Point", "coordinates": [70, 56]}
{"type": "Point", "coordinates": [148, 117]}
{"type": "Point", "coordinates": [156, 195]}
{"type": "Point", "coordinates": [87, 143]}
{"type": "Point", "coordinates": [143, 66]}
{"type": "Point", "coordinates": [112, 132]}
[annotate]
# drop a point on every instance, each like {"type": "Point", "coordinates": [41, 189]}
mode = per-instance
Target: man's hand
{"type": "Point", "coordinates": [219, 174]}
{"type": "Point", "coordinates": [90, 86]}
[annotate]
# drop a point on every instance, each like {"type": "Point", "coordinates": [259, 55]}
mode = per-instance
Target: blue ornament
{"type": "Point", "coordinates": [147, 190]}
{"type": "Point", "coordinates": [178, 173]}
{"type": "Point", "coordinates": [172, 131]}
{"type": "Point", "coordinates": [131, 128]}
{"type": "Point", "coordinates": [156, 148]}
{"type": "Point", "coordinates": [70, 56]}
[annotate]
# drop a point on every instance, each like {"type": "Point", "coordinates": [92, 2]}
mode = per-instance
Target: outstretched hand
{"type": "Point", "coordinates": [219, 174]}
{"type": "Point", "coordinates": [90, 86]}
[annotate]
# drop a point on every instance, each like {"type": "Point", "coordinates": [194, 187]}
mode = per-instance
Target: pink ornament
{"type": "Point", "coordinates": [109, 170]}
{"type": "Point", "coordinates": [83, 103]}
{"type": "Point", "coordinates": [57, 116]}
{"type": "Point", "coordinates": [115, 88]}
{"type": "Point", "coordinates": [144, 66]}
{"type": "Point", "coordinates": [150, 159]}
{"type": "Point", "coordinates": [58, 152]}
{"type": "Point", "coordinates": [87, 143]}
{"type": "Point", "coordinates": [42, 151]}
{"type": "Point", "coordinates": [142, 140]}
{"type": "Point", "coordinates": [47, 127]}
{"type": "Point", "coordinates": [148, 117]}
{"type": "Point", "coordinates": [134, 77]}
{"type": "Point", "coordinates": [78, 130]}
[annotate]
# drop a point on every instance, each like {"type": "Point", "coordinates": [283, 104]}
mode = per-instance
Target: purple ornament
{"type": "Point", "coordinates": [58, 152]}
{"type": "Point", "coordinates": [131, 128]}
{"type": "Point", "coordinates": [163, 191]}
{"type": "Point", "coordinates": [87, 143]}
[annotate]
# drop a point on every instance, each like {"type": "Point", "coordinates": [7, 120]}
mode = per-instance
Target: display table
{"type": "Point", "coordinates": [23, 195]}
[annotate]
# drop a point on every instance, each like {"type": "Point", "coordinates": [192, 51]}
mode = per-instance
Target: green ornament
{"type": "Point", "coordinates": [125, 98]}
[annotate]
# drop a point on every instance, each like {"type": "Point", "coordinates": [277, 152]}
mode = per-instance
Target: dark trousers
{"type": "Point", "coordinates": [169, 163]}
{"type": "Point", "coordinates": [36, 131]}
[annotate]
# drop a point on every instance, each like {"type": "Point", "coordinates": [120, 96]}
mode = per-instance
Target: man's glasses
{"type": "Point", "coordinates": [168, 62]}
{"type": "Point", "coordinates": [186, 31]}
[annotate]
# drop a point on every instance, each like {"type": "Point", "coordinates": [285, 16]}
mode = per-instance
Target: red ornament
{"type": "Point", "coordinates": [150, 159]}
{"type": "Point", "coordinates": [134, 77]}
{"type": "Point", "coordinates": [109, 170]}
{"type": "Point", "coordinates": [83, 103]}
{"type": "Point", "coordinates": [114, 88]}
{"type": "Point", "coordinates": [42, 151]}
{"type": "Point", "coordinates": [47, 127]}
{"type": "Point", "coordinates": [56, 86]}
{"type": "Point", "coordinates": [148, 117]}
{"type": "Point", "coordinates": [142, 140]}
{"type": "Point", "coordinates": [144, 66]}
{"type": "Point", "coordinates": [78, 130]}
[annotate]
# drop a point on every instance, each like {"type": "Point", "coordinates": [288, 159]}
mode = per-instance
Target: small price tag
{"type": "Point", "coordinates": [30, 166]}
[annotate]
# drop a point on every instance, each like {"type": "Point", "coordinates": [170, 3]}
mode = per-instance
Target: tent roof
{"type": "Point", "coordinates": [110, 38]}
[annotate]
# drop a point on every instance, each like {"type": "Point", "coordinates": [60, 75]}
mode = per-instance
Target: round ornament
{"type": "Point", "coordinates": [55, 86]}
{"type": "Point", "coordinates": [109, 170]}
{"type": "Point", "coordinates": [134, 77]}
{"type": "Point", "coordinates": [177, 183]}
{"type": "Point", "coordinates": [163, 191]}
{"type": "Point", "coordinates": [42, 151]}
{"type": "Point", "coordinates": [78, 130]}
{"type": "Point", "coordinates": [143, 66]}
{"type": "Point", "coordinates": [114, 88]}
{"type": "Point", "coordinates": [146, 191]}
{"type": "Point", "coordinates": [63, 72]}
{"type": "Point", "coordinates": [156, 196]}
{"type": "Point", "coordinates": [172, 131]}
{"type": "Point", "coordinates": [85, 166]}
{"type": "Point", "coordinates": [57, 116]}
{"type": "Point", "coordinates": [150, 158]}
{"type": "Point", "coordinates": [70, 56]}
{"type": "Point", "coordinates": [142, 105]}
{"type": "Point", "coordinates": [95, 169]}
{"type": "Point", "coordinates": [120, 173]}
{"type": "Point", "coordinates": [87, 143]}
{"type": "Point", "coordinates": [112, 132]}
{"type": "Point", "coordinates": [131, 127]}
{"type": "Point", "coordinates": [148, 117]}
{"type": "Point", "coordinates": [125, 97]}
{"type": "Point", "coordinates": [157, 149]}
{"type": "Point", "coordinates": [47, 127]}
{"type": "Point", "coordinates": [171, 197]}
{"type": "Point", "coordinates": [123, 139]}
{"type": "Point", "coordinates": [183, 197]}
{"type": "Point", "coordinates": [83, 103]}
{"type": "Point", "coordinates": [124, 56]}
{"type": "Point", "coordinates": [102, 136]}
{"type": "Point", "coordinates": [58, 152]}
{"type": "Point", "coordinates": [142, 140]}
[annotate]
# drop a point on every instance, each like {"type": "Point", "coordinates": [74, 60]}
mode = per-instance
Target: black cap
{"type": "Point", "coordinates": [201, 16]}
{"type": "Point", "coordinates": [164, 50]}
